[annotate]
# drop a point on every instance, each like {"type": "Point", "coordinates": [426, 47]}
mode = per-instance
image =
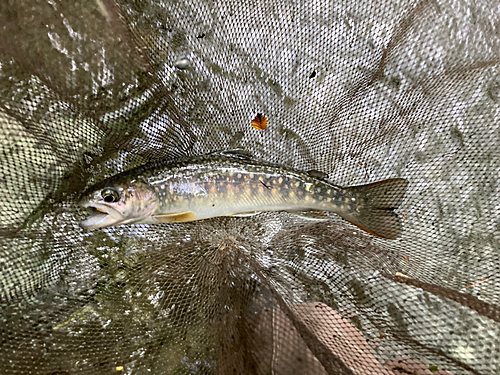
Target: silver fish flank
{"type": "Point", "coordinates": [228, 184]}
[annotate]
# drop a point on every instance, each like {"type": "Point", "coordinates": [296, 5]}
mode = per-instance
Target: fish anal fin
{"type": "Point", "coordinates": [176, 217]}
{"type": "Point", "coordinates": [245, 214]}
{"type": "Point", "coordinates": [310, 214]}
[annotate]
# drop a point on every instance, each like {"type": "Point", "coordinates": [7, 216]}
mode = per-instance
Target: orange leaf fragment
{"type": "Point", "coordinates": [259, 122]}
{"type": "Point", "coordinates": [406, 258]}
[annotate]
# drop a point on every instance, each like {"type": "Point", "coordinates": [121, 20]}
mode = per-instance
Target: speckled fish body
{"type": "Point", "coordinates": [220, 185]}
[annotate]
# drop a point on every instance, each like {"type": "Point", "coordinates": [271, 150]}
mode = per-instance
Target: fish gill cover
{"type": "Point", "coordinates": [361, 91]}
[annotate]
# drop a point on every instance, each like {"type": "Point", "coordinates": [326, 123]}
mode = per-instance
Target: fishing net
{"type": "Point", "coordinates": [360, 90]}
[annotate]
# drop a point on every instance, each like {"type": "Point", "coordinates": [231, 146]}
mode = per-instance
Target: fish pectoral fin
{"type": "Point", "coordinates": [246, 214]}
{"type": "Point", "coordinates": [175, 217]}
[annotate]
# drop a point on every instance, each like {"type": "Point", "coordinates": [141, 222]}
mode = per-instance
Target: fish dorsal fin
{"type": "Point", "coordinates": [317, 174]}
{"type": "Point", "coordinates": [236, 153]}
{"type": "Point", "coordinates": [175, 217]}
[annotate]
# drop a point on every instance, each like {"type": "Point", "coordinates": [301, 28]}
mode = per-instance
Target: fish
{"type": "Point", "coordinates": [233, 183]}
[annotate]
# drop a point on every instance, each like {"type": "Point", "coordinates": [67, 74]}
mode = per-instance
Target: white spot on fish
{"type": "Point", "coordinates": [353, 199]}
{"type": "Point", "coordinates": [280, 180]}
{"type": "Point", "coordinates": [309, 186]}
{"type": "Point", "coordinates": [162, 187]}
{"type": "Point", "coordinates": [239, 175]}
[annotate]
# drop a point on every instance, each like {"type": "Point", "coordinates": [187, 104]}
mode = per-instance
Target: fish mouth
{"type": "Point", "coordinates": [100, 216]}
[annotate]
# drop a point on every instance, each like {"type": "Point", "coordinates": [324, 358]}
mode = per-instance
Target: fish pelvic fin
{"type": "Point", "coordinates": [376, 203]}
{"type": "Point", "coordinates": [176, 217]}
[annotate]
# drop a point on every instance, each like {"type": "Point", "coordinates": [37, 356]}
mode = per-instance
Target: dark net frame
{"type": "Point", "coordinates": [362, 91]}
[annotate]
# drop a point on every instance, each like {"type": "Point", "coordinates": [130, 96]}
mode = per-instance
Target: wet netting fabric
{"type": "Point", "coordinates": [360, 90]}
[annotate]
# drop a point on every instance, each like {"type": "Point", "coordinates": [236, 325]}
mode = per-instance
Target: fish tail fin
{"type": "Point", "coordinates": [375, 205]}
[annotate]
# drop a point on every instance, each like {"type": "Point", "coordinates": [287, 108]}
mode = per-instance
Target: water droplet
{"type": "Point", "coordinates": [182, 63]}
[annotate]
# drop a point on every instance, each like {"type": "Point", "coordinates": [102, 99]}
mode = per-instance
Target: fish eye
{"type": "Point", "coordinates": [110, 195]}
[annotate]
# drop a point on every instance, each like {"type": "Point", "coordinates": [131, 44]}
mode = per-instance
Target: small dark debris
{"type": "Point", "coordinates": [201, 36]}
{"type": "Point", "coordinates": [317, 174]}
{"type": "Point", "coordinates": [313, 74]}
{"type": "Point", "coordinates": [267, 187]}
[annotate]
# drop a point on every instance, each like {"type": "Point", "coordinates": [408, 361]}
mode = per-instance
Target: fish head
{"type": "Point", "coordinates": [118, 201]}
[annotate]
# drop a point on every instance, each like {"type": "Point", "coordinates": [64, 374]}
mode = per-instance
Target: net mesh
{"type": "Point", "coordinates": [362, 91]}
